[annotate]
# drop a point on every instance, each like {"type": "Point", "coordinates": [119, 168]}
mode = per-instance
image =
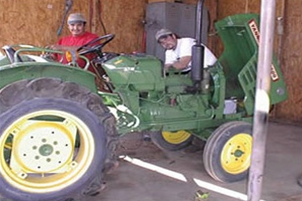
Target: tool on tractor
{"type": "Point", "coordinates": [67, 8]}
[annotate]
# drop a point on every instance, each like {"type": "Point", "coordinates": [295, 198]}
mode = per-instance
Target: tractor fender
{"type": "Point", "coordinates": [31, 70]}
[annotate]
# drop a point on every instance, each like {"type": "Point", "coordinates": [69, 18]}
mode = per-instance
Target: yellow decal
{"type": "Point", "coordinates": [118, 61]}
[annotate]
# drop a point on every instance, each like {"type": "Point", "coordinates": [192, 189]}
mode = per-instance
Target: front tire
{"type": "Point", "coordinates": [227, 153]}
{"type": "Point", "coordinates": [55, 138]}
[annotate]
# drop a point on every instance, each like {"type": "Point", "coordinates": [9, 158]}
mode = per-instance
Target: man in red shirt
{"type": "Point", "coordinates": [76, 24]}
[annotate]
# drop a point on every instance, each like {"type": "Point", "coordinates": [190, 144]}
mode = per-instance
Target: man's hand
{"type": "Point", "coordinates": [49, 55]}
{"type": "Point", "coordinates": [168, 66]}
{"type": "Point", "coordinates": [182, 63]}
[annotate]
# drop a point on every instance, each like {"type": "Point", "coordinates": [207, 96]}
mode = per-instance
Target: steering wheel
{"type": "Point", "coordinates": [87, 48]}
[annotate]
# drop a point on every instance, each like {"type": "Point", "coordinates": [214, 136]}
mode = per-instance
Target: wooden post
{"type": "Point", "coordinates": [267, 26]}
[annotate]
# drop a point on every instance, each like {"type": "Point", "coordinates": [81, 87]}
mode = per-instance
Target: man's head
{"type": "Point", "coordinates": [76, 24]}
{"type": "Point", "coordinates": [166, 38]}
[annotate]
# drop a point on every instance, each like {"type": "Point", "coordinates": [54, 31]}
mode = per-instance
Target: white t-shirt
{"type": "Point", "coordinates": [184, 48]}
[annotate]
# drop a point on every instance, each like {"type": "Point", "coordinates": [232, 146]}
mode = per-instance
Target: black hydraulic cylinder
{"type": "Point", "coordinates": [197, 62]}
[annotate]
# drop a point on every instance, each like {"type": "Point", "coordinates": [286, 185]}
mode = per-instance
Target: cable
{"type": "Point", "coordinates": [99, 6]}
{"type": "Point", "coordinates": [246, 6]}
{"type": "Point", "coordinates": [90, 14]}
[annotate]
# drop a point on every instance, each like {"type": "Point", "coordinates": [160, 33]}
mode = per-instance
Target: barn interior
{"type": "Point", "coordinates": [141, 174]}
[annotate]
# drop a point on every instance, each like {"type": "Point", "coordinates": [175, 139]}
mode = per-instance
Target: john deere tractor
{"type": "Point", "coordinates": [59, 127]}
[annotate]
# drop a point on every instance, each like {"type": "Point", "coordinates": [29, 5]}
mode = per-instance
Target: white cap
{"type": "Point", "coordinates": [161, 33]}
{"type": "Point", "coordinates": [75, 17]}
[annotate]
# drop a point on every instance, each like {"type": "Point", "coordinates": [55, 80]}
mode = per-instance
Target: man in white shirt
{"type": "Point", "coordinates": [179, 51]}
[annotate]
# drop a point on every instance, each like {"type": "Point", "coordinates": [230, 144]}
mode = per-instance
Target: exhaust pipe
{"type": "Point", "coordinates": [198, 49]}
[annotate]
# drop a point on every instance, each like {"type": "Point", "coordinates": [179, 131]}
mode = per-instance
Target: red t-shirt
{"type": "Point", "coordinates": [77, 41]}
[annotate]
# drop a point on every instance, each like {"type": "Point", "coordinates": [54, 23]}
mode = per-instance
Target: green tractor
{"type": "Point", "coordinates": [59, 129]}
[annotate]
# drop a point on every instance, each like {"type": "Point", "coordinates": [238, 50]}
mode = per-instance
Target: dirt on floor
{"type": "Point", "coordinates": [293, 198]}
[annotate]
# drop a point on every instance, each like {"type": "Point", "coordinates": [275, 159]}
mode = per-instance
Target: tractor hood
{"type": "Point", "coordinates": [140, 72]}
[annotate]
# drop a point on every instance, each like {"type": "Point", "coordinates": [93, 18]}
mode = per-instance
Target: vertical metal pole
{"type": "Point", "coordinates": [267, 26]}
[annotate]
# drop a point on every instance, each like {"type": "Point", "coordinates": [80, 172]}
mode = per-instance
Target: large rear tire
{"type": "Point", "coordinates": [55, 140]}
{"type": "Point", "coordinates": [227, 153]}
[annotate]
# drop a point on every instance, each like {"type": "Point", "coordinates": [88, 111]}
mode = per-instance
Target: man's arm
{"type": "Point", "coordinates": [182, 63]}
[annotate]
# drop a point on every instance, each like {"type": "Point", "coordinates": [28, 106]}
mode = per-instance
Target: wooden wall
{"type": "Point", "coordinates": [291, 61]}
{"type": "Point", "coordinates": [32, 22]}
{"type": "Point", "coordinates": [36, 22]}
{"type": "Point", "coordinates": [125, 19]}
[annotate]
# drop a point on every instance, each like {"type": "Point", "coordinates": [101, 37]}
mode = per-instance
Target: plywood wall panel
{"type": "Point", "coordinates": [291, 60]}
{"type": "Point", "coordinates": [36, 22]}
{"type": "Point", "coordinates": [227, 8]}
{"type": "Point", "coordinates": [32, 22]}
{"type": "Point", "coordinates": [125, 19]}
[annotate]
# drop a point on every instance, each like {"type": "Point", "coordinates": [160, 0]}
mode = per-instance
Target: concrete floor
{"type": "Point", "coordinates": [132, 182]}
{"type": "Point", "coordinates": [135, 182]}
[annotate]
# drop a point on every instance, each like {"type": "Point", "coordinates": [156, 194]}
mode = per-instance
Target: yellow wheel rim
{"type": "Point", "coordinates": [176, 137]}
{"type": "Point", "coordinates": [41, 156]}
{"type": "Point", "coordinates": [236, 154]}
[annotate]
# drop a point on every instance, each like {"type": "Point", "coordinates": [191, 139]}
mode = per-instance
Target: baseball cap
{"type": "Point", "coordinates": [162, 33]}
{"type": "Point", "coordinates": [75, 17]}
